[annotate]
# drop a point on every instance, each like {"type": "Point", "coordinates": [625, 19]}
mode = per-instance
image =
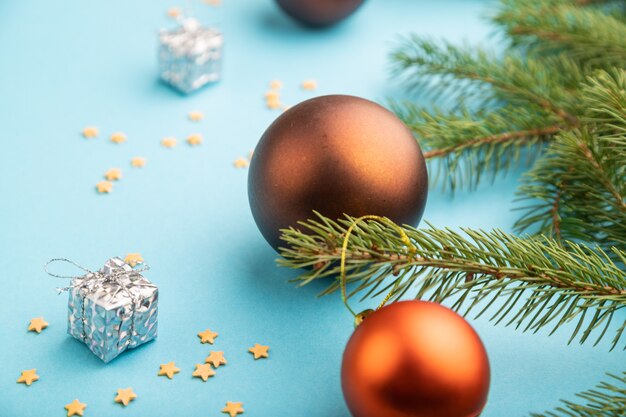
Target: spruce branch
{"type": "Point", "coordinates": [607, 400]}
{"type": "Point", "coordinates": [588, 35]}
{"type": "Point", "coordinates": [578, 188]}
{"type": "Point", "coordinates": [562, 282]}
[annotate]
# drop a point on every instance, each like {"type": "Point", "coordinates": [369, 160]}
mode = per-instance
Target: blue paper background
{"type": "Point", "coordinates": [69, 64]}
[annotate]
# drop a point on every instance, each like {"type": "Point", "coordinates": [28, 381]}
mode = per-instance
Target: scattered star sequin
{"type": "Point", "coordinates": [259, 351]}
{"type": "Point", "coordinates": [276, 84]}
{"type": "Point", "coordinates": [195, 116]}
{"type": "Point", "coordinates": [138, 162]}
{"type": "Point", "coordinates": [168, 369]}
{"type": "Point", "coordinates": [90, 132]}
{"type": "Point", "coordinates": [168, 142]}
{"type": "Point", "coordinates": [104, 187]}
{"type": "Point", "coordinates": [309, 85]}
{"type": "Point", "coordinates": [125, 396]}
{"type": "Point", "coordinates": [216, 359]}
{"type": "Point", "coordinates": [37, 325]}
{"type": "Point", "coordinates": [194, 139]}
{"type": "Point", "coordinates": [113, 174]}
{"type": "Point", "coordinates": [241, 163]}
{"type": "Point", "coordinates": [28, 377]}
{"type": "Point", "coordinates": [133, 259]}
{"type": "Point", "coordinates": [203, 371]}
{"type": "Point", "coordinates": [75, 408]}
{"type": "Point", "coordinates": [174, 12]}
{"type": "Point", "coordinates": [233, 408]}
{"type": "Point", "coordinates": [207, 336]}
{"type": "Point", "coordinates": [118, 137]}
{"type": "Point", "coordinates": [213, 2]}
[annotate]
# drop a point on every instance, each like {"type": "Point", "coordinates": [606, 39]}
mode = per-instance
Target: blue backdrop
{"type": "Point", "coordinates": [66, 65]}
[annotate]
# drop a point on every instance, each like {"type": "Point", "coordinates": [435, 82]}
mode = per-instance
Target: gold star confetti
{"type": "Point", "coordinates": [75, 408]}
{"type": "Point", "coordinates": [309, 85]}
{"type": "Point", "coordinates": [28, 377]}
{"type": "Point", "coordinates": [174, 12]}
{"type": "Point", "coordinates": [241, 163]}
{"type": "Point", "coordinates": [118, 137]}
{"type": "Point", "coordinates": [233, 408]}
{"type": "Point", "coordinates": [138, 162]}
{"type": "Point", "coordinates": [169, 369]}
{"type": "Point", "coordinates": [90, 132]}
{"type": "Point", "coordinates": [125, 396]}
{"type": "Point", "coordinates": [104, 186]}
{"type": "Point", "coordinates": [133, 259]}
{"type": "Point", "coordinates": [207, 336]}
{"type": "Point", "coordinates": [259, 351]}
{"type": "Point", "coordinates": [272, 95]}
{"type": "Point", "coordinates": [169, 142]}
{"type": "Point", "coordinates": [37, 325]}
{"type": "Point", "coordinates": [195, 116]}
{"type": "Point", "coordinates": [203, 371]}
{"type": "Point", "coordinates": [273, 104]}
{"type": "Point", "coordinates": [113, 174]}
{"type": "Point", "coordinates": [276, 84]}
{"type": "Point", "coordinates": [194, 139]}
{"type": "Point", "coordinates": [216, 359]}
{"type": "Point", "coordinates": [213, 2]}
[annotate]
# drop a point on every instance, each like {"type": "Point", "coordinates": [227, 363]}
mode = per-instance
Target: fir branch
{"type": "Point", "coordinates": [473, 145]}
{"type": "Point", "coordinates": [607, 400]}
{"type": "Point", "coordinates": [585, 34]}
{"type": "Point", "coordinates": [578, 189]}
{"type": "Point", "coordinates": [563, 283]}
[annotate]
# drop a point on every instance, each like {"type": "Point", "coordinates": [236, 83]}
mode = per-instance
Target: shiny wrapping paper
{"type": "Point", "coordinates": [190, 56]}
{"type": "Point", "coordinates": [113, 309]}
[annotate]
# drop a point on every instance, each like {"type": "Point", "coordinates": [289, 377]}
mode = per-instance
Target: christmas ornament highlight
{"type": "Point", "coordinates": [415, 359]}
{"type": "Point", "coordinates": [319, 13]}
{"type": "Point", "coordinates": [335, 154]}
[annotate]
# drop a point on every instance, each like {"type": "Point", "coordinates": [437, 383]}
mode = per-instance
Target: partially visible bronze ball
{"type": "Point", "coordinates": [319, 13]}
{"type": "Point", "coordinates": [335, 154]}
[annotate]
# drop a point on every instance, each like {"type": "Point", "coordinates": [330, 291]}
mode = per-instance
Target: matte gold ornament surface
{"type": "Point", "coordinates": [319, 13]}
{"type": "Point", "coordinates": [415, 359]}
{"type": "Point", "coordinates": [335, 154]}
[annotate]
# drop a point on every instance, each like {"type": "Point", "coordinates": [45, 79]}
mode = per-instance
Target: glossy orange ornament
{"type": "Point", "coordinates": [415, 359]}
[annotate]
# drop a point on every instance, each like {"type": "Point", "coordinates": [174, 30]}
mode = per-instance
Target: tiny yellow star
{"type": "Point", "coordinates": [195, 139]}
{"type": "Point", "coordinates": [169, 142]}
{"type": "Point", "coordinates": [213, 2]}
{"type": "Point", "coordinates": [133, 259]}
{"type": "Point", "coordinates": [207, 336]}
{"type": "Point", "coordinates": [28, 377]}
{"type": "Point", "coordinates": [75, 408]}
{"type": "Point", "coordinates": [272, 95]}
{"type": "Point", "coordinates": [309, 85]}
{"type": "Point", "coordinates": [125, 396]}
{"type": "Point", "coordinates": [37, 325]}
{"type": "Point", "coordinates": [138, 162]}
{"type": "Point", "coordinates": [195, 116]}
{"type": "Point", "coordinates": [104, 186]}
{"type": "Point", "coordinates": [90, 132]}
{"type": "Point", "coordinates": [174, 12]}
{"type": "Point", "coordinates": [259, 351]}
{"type": "Point", "coordinates": [241, 163]}
{"type": "Point", "coordinates": [118, 137]}
{"type": "Point", "coordinates": [276, 84]}
{"type": "Point", "coordinates": [169, 369]}
{"type": "Point", "coordinates": [233, 408]}
{"type": "Point", "coordinates": [273, 103]}
{"type": "Point", "coordinates": [203, 371]}
{"type": "Point", "coordinates": [216, 359]}
{"type": "Point", "coordinates": [113, 174]}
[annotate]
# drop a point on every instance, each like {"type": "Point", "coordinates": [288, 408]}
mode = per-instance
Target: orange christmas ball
{"type": "Point", "coordinates": [415, 359]}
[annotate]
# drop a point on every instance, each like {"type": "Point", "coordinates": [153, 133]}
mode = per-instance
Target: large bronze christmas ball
{"type": "Point", "coordinates": [415, 359]}
{"type": "Point", "coordinates": [319, 13]}
{"type": "Point", "coordinates": [335, 154]}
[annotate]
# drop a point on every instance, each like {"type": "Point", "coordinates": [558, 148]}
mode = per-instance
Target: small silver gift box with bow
{"type": "Point", "coordinates": [190, 56]}
{"type": "Point", "coordinates": [112, 309]}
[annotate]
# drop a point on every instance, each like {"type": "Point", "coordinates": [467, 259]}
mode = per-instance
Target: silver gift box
{"type": "Point", "coordinates": [113, 309]}
{"type": "Point", "coordinates": [190, 56]}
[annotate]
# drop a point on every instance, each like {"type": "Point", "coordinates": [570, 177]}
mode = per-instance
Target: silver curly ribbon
{"type": "Point", "coordinates": [92, 281]}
